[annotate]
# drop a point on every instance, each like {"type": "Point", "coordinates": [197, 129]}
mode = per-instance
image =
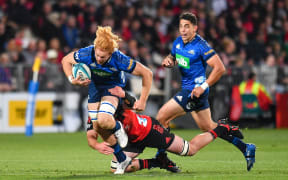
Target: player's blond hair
{"type": "Point", "coordinates": [105, 39]}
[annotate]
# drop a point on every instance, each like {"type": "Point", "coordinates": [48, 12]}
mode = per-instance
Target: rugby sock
{"type": "Point", "coordinates": [148, 163]}
{"type": "Point", "coordinates": [160, 151]}
{"type": "Point", "coordinates": [117, 126]}
{"type": "Point", "coordinates": [219, 131]}
{"type": "Point", "coordinates": [120, 156]}
{"type": "Point", "coordinates": [236, 141]}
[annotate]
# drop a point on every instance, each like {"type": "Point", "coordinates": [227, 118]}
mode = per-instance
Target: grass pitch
{"type": "Point", "coordinates": [67, 156]}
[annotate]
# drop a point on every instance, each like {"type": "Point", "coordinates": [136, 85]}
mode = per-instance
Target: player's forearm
{"type": "Point", "coordinates": [215, 75]}
{"type": "Point", "coordinates": [218, 70]}
{"type": "Point", "coordinates": [147, 77]}
{"type": "Point", "coordinates": [67, 63]}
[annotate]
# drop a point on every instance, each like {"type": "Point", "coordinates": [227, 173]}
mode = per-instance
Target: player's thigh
{"type": "Point", "coordinates": [176, 146]}
{"type": "Point", "coordinates": [169, 111]}
{"type": "Point", "coordinates": [203, 119]}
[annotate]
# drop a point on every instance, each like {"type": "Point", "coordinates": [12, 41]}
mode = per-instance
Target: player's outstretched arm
{"type": "Point", "coordinates": [147, 77]}
{"type": "Point", "coordinates": [103, 147]}
{"type": "Point", "coordinates": [67, 63]}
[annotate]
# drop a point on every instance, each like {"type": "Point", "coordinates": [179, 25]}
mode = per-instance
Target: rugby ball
{"type": "Point", "coordinates": [81, 70]}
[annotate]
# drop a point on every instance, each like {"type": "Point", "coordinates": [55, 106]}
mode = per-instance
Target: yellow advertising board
{"type": "Point", "coordinates": [43, 113]}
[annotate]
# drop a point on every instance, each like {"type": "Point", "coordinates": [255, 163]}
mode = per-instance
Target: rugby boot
{"type": "Point", "coordinates": [250, 155]}
{"type": "Point", "coordinates": [121, 136]}
{"type": "Point", "coordinates": [166, 163]}
{"type": "Point", "coordinates": [123, 165]}
{"type": "Point", "coordinates": [234, 130]}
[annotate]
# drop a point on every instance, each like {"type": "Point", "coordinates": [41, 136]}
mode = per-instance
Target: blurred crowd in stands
{"type": "Point", "coordinates": [249, 35]}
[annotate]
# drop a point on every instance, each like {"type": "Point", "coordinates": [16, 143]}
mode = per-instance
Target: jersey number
{"type": "Point", "coordinates": [142, 121]}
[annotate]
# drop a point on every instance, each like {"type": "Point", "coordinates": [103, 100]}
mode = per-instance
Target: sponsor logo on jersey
{"type": "Point", "coordinates": [168, 139]}
{"type": "Point", "coordinates": [183, 61]}
{"type": "Point", "coordinates": [113, 69]}
{"type": "Point", "coordinates": [199, 80]}
{"type": "Point", "coordinates": [130, 64]}
{"type": "Point", "coordinates": [191, 52]}
{"type": "Point", "coordinates": [179, 98]}
{"type": "Point", "coordinates": [209, 52]}
{"type": "Point", "coordinates": [93, 64]}
{"type": "Point", "coordinates": [178, 46]}
{"type": "Point", "coordinates": [76, 56]}
{"type": "Point", "coordinates": [102, 73]}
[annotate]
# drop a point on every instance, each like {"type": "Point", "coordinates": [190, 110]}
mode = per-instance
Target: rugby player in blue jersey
{"type": "Point", "coordinates": [192, 54]}
{"type": "Point", "coordinates": [107, 65]}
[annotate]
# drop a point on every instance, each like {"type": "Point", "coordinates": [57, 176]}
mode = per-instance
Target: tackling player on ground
{"type": "Point", "coordinates": [145, 131]}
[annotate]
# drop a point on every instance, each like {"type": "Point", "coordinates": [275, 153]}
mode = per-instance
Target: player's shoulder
{"type": "Point", "coordinates": [202, 43]}
{"type": "Point", "coordinates": [85, 52]}
{"type": "Point", "coordinates": [117, 53]}
{"type": "Point", "coordinates": [178, 39]}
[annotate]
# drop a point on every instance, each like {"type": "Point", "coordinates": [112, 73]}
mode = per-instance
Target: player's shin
{"type": "Point", "coordinates": [119, 154]}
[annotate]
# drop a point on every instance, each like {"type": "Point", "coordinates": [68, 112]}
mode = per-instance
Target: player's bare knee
{"type": "Point", "coordinates": [106, 122]}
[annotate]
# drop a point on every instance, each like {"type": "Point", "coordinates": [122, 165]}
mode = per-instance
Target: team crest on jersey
{"type": "Point", "coordinates": [178, 46]}
{"type": "Point", "coordinates": [191, 52]}
{"type": "Point", "coordinates": [93, 64]}
{"type": "Point", "coordinates": [179, 98]}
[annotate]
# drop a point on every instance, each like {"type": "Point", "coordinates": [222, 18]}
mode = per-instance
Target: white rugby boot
{"type": "Point", "coordinates": [123, 165]}
{"type": "Point", "coordinates": [121, 136]}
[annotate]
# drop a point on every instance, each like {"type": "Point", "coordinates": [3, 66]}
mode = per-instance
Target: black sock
{"type": "Point", "coordinates": [236, 141]}
{"type": "Point", "coordinates": [219, 131]}
{"type": "Point", "coordinates": [148, 163]}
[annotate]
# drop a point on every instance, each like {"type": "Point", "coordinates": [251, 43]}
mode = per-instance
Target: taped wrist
{"type": "Point", "coordinates": [129, 99]}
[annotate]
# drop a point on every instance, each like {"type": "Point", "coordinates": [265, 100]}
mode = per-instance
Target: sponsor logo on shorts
{"type": "Point", "coordinates": [179, 98]}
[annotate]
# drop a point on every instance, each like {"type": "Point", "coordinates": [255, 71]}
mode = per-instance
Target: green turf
{"type": "Point", "coordinates": [67, 156]}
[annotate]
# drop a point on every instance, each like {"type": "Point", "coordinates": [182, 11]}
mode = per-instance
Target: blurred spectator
{"type": "Point", "coordinates": [53, 77]}
{"type": "Point", "coordinates": [56, 45]}
{"type": "Point", "coordinates": [249, 99]}
{"type": "Point", "coordinates": [30, 52]}
{"type": "Point", "coordinates": [267, 75]}
{"type": "Point", "coordinates": [5, 76]}
{"type": "Point", "coordinates": [70, 32]}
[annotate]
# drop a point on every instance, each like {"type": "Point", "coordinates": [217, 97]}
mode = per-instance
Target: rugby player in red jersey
{"type": "Point", "coordinates": [145, 131]}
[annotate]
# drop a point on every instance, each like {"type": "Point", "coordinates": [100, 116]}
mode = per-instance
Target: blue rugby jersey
{"type": "Point", "coordinates": [110, 73]}
{"type": "Point", "coordinates": [192, 60]}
